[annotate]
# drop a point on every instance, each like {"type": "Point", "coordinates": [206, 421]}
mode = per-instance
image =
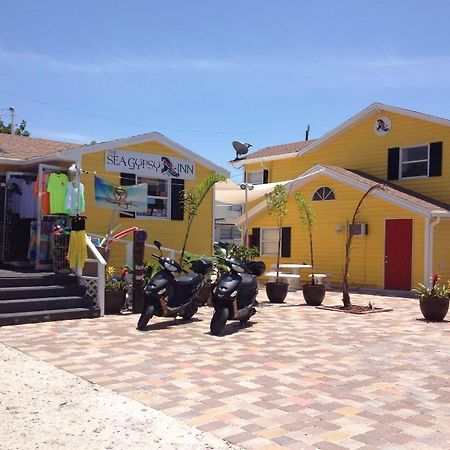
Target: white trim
{"type": "Point", "coordinates": [374, 108]}
{"type": "Point", "coordinates": [426, 251]}
{"type": "Point", "coordinates": [134, 140]}
{"type": "Point", "coordinates": [431, 250]}
{"type": "Point", "coordinates": [237, 164]}
{"type": "Point", "coordinates": [327, 171]}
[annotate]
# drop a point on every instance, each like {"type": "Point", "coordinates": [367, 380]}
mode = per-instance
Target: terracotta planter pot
{"type": "Point", "coordinates": [276, 292]}
{"type": "Point", "coordinates": [434, 308]}
{"type": "Point", "coordinates": [313, 294]}
{"type": "Point", "coordinates": [114, 301]}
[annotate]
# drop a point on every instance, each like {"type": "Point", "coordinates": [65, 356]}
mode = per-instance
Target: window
{"type": "Point", "coordinates": [323, 193]}
{"type": "Point", "coordinates": [157, 198]}
{"type": "Point", "coordinates": [254, 177]}
{"type": "Point", "coordinates": [414, 161]}
{"type": "Point", "coordinates": [269, 242]}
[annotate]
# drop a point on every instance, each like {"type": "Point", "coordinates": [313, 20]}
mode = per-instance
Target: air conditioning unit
{"type": "Point", "coordinates": [359, 229]}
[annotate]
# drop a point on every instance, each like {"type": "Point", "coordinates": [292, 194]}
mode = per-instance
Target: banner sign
{"type": "Point", "coordinates": [124, 198]}
{"type": "Point", "coordinates": [146, 165]}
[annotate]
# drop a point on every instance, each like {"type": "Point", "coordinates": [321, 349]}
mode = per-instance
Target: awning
{"type": "Point", "coordinates": [230, 193]}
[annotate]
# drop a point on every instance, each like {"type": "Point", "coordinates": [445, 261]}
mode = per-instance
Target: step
{"type": "Point", "coordinates": [44, 304]}
{"type": "Point", "coordinates": [37, 279]}
{"type": "Point", "coordinates": [27, 292]}
{"type": "Point", "coordinates": [48, 316]}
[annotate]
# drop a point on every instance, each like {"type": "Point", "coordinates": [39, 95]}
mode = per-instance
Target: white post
{"type": "Point", "coordinates": [101, 287]}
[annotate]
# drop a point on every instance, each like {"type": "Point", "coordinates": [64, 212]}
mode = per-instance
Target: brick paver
{"type": "Point", "coordinates": [298, 377]}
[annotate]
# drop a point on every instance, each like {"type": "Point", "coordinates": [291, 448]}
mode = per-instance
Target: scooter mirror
{"type": "Point", "coordinates": [157, 244]}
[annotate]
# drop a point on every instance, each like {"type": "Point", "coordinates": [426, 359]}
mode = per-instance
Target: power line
{"type": "Point", "coordinates": [112, 119]}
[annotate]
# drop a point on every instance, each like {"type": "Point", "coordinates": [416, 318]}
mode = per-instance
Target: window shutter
{"type": "Point", "coordinates": [256, 238]}
{"type": "Point", "coordinates": [265, 176]}
{"type": "Point", "coordinates": [435, 159]}
{"type": "Point", "coordinates": [127, 179]}
{"type": "Point", "coordinates": [176, 199]}
{"type": "Point", "coordinates": [286, 242]}
{"type": "Point", "coordinates": [393, 163]}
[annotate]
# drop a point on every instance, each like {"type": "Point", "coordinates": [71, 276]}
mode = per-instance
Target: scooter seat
{"type": "Point", "coordinates": [185, 287]}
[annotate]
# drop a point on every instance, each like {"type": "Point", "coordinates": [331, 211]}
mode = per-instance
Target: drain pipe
{"type": "Point", "coordinates": [429, 247]}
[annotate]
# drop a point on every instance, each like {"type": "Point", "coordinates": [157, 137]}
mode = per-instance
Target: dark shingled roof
{"type": "Point", "coordinates": [24, 148]}
{"type": "Point", "coordinates": [396, 191]}
{"type": "Point", "coordinates": [279, 149]}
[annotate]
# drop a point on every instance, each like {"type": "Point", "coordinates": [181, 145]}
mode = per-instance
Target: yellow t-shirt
{"type": "Point", "coordinates": [57, 187]}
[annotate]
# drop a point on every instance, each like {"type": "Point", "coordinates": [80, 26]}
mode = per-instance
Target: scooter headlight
{"type": "Point", "coordinates": [237, 268]}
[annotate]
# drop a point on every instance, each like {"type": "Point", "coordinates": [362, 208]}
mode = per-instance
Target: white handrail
{"type": "Point", "coordinates": [101, 264]}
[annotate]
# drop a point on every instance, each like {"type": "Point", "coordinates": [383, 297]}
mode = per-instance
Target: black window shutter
{"type": "Point", "coordinates": [256, 238]}
{"type": "Point", "coordinates": [176, 199]}
{"type": "Point", "coordinates": [265, 176]}
{"type": "Point", "coordinates": [435, 159]}
{"type": "Point", "coordinates": [286, 242]}
{"type": "Point", "coordinates": [127, 179]}
{"type": "Point", "coordinates": [393, 163]}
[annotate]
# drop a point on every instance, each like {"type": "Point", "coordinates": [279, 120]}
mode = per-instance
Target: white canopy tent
{"type": "Point", "coordinates": [231, 193]}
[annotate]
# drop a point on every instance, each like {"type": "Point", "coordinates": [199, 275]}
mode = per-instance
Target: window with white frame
{"type": "Point", "coordinates": [323, 193]}
{"type": "Point", "coordinates": [414, 161]}
{"type": "Point", "coordinates": [157, 198]}
{"type": "Point", "coordinates": [269, 242]}
{"type": "Point", "coordinates": [254, 177]}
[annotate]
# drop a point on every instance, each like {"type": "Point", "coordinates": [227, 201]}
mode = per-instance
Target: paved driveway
{"type": "Point", "coordinates": [299, 377]}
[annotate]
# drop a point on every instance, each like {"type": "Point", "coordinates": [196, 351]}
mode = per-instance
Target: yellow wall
{"type": "Point", "coordinates": [367, 256]}
{"type": "Point", "coordinates": [169, 233]}
{"type": "Point", "coordinates": [441, 254]}
{"type": "Point", "coordinates": [359, 148]}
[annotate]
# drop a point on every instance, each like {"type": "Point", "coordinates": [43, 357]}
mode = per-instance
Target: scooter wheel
{"type": "Point", "coordinates": [189, 311]}
{"type": "Point", "coordinates": [145, 317]}
{"type": "Point", "coordinates": [218, 321]}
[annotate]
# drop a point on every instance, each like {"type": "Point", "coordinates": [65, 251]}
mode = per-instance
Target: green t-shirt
{"type": "Point", "coordinates": [57, 187]}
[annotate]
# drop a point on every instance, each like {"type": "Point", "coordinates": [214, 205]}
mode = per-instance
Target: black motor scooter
{"type": "Point", "coordinates": [168, 296]}
{"type": "Point", "coordinates": [234, 297]}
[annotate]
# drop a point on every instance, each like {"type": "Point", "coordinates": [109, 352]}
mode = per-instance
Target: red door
{"type": "Point", "coordinates": [398, 254]}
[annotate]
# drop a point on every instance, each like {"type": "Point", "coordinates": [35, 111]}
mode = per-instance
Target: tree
{"type": "Point", "coordinates": [348, 245]}
{"type": "Point", "coordinates": [308, 218]}
{"type": "Point", "coordinates": [19, 131]}
{"type": "Point", "coordinates": [277, 207]}
{"type": "Point", "coordinates": [193, 200]}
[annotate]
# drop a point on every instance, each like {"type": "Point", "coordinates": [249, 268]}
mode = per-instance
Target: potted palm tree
{"type": "Point", "coordinates": [434, 300]}
{"type": "Point", "coordinates": [277, 208]}
{"type": "Point", "coordinates": [312, 293]}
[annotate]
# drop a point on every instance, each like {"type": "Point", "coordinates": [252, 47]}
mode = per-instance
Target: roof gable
{"type": "Point", "coordinates": [391, 193]}
{"type": "Point", "coordinates": [140, 139]}
{"type": "Point", "coordinates": [374, 108]}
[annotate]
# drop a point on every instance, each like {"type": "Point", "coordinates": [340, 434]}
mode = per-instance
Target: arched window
{"type": "Point", "coordinates": [323, 193]}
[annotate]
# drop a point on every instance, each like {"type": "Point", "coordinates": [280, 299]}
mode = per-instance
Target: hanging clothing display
{"type": "Point", "coordinates": [57, 187]}
{"type": "Point", "coordinates": [77, 254]}
{"type": "Point", "coordinates": [74, 205]}
{"type": "Point", "coordinates": [45, 195]}
{"type": "Point", "coordinates": [21, 192]}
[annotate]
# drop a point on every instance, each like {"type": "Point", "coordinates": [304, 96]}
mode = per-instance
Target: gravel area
{"type": "Point", "coordinates": [42, 407]}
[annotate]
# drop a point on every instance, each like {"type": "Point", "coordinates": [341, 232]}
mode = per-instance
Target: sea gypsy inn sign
{"type": "Point", "coordinates": [147, 165]}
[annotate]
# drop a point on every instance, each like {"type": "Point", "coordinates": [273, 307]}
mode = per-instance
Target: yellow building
{"type": "Point", "coordinates": [166, 167]}
{"type": "Point", "coordinates": [404, 231]}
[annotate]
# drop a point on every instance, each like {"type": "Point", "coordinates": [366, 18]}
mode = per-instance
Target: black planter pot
{"type": "Point", "coordinates": [114, 301]}
{"type": "Point", "coordinates": [434, 308]}
{"type": "Point", "coordinates": [313, 294]}
{"type": "Point", "coordinates": [276, 292]}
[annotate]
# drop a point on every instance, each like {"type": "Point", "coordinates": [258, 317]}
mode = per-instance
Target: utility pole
{"type": "Point", "coordinates": [12, 111]}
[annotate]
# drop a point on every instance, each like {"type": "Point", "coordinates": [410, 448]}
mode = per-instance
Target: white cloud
{"type": "Point", "coordinates": [326, 72]}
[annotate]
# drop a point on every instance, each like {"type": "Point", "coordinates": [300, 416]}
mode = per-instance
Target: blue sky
{"type": "Point", "coordinates": [205, 73]}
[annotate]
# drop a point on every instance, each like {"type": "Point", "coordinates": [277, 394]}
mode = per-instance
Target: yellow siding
{"type": "Point", "coordinates": [359, 148]}
{"type": "Point", "coordinates": [367, 256]}
{"type": "Point", "coordinates": [169, 233]}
